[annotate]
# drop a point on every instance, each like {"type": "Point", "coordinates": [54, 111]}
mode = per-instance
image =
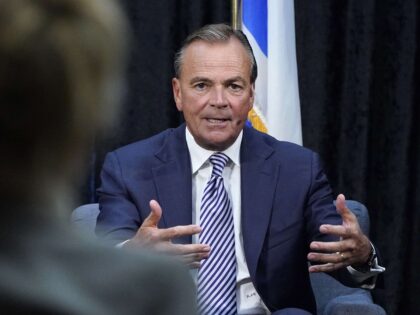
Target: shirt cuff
{"type": "Point", "coordinates": [367, 279]}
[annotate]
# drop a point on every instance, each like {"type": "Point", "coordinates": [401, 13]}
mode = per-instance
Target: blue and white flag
{"type": "Point", "coordinates": [270, 28]}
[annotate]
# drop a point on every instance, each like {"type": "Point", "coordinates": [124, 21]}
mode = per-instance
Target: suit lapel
{"type": "Point", "coordinates": [258, 182]}
{"type": "Point", "coordinates": [173, 181]}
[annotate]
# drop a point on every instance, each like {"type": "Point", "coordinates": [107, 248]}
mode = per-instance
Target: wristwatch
{"type": "Point", "coordinates": [367, 266]}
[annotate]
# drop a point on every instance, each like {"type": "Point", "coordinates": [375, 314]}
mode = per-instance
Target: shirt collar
{"type": "Point", "coordinates": [200, 155]}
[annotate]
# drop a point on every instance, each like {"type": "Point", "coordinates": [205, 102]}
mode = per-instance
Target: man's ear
{"type": "Point", "coordinates": [176, 89]}
{"type": "Point", "coordinates": [251, 98]}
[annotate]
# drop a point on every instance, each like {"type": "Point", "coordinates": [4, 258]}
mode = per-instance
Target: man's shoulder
{"type": "Point", "coordinates": [147, 148]}
{"type": "Point", "coordinates": [280, 148]}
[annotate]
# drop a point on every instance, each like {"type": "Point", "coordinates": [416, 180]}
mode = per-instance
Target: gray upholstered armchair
{"type": "Point", "coordinates": [332, 297]}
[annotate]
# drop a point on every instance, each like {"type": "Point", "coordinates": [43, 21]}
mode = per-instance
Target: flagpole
{"type": "Point", "coordinates": [237, 14]}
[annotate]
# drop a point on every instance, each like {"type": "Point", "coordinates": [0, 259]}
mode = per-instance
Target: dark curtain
{"type": "Point", "coordinates": [158, 28]}
{"type": "Point", "coordinates": [358, 64]}
{"type": "Point", "coordinates": [359, 90]}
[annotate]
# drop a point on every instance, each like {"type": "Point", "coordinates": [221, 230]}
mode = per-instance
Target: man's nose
{"type": "Point", "coordinates": [218, 97]}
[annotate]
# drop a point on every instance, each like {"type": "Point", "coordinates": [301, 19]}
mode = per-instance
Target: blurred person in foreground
{"type": "Point", "coordinates": [248, 210]}
{"type": "Point", "coordinates": [60, 68]}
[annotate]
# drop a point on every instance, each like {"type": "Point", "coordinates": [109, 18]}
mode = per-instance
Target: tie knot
{"type": "Point", "coordinates": [219, 161]}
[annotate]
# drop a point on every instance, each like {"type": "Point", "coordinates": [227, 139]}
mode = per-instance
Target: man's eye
{"type": "Point", "coordinates": [235, 87]}
{"type": "Point", "coordinates": [200, 86]}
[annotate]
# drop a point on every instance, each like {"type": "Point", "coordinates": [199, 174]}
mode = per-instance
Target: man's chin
{"type": "Point", "coordinates": [217, 142]}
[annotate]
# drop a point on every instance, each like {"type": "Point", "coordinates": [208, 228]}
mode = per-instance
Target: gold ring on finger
{"type": "Point", "coordinates": [341, 254]}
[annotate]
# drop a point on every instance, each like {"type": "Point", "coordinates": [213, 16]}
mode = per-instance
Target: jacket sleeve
{"type": "Point", "coordinates": [119, 217]}
{"type": "Point", "coordinates": [319, 207]}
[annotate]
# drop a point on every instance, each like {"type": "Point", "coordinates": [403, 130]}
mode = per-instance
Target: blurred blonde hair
{"type": "Point", "coordinates": [60, 76]}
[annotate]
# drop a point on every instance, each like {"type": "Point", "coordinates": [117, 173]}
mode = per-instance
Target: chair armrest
{"type": "Point", "coordinates": [353, 304]}
{"type": "Point", "coordinates": [84, 218]}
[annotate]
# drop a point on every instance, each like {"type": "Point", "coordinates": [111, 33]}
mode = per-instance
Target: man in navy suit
{"type": "Point", "coordinates": [281, 201]}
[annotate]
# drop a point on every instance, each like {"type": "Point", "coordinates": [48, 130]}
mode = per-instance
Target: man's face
{"type": "Point", "coordinates": [214, 92]}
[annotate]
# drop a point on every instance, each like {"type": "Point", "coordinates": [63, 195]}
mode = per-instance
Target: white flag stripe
{"type": "Point", "coordinates": [277, 92]}
{"type": "Point", "coordinates": [283, 109]}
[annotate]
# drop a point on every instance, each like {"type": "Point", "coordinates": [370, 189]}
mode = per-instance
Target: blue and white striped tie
{"type": "Point", "coordinates": [217, 276]}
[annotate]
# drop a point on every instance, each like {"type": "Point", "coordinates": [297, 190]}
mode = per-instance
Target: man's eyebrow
{"type": "Point", "coordinates": [226, 82]}
{"type": "Point", "coordinates": [235, 79]}
{"type": "Point", "coordinates": [199, 79]}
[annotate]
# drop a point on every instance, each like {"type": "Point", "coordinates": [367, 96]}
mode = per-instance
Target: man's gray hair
{"type": "Point", "coordinates": [216, 33]}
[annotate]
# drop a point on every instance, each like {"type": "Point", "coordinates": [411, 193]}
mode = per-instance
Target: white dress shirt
{"type": "Point", "coordinates": [248, 300]}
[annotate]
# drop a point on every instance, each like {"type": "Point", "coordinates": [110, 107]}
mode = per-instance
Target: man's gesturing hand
{"type": "Point", "coordinates": [353, 248]}
{"type": "Point", "coordinates": [149, 235]}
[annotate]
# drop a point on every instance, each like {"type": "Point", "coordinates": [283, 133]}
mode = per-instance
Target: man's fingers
{"type": "Point", "coordinates": [346, 214]}
{"type": "Point", "coordinates": [332, 247]}
{"type": "Point", "coordinates": [353, 247]}
{"type": "Point", "coordinates": [201, 250]}
{"type": "Point", "coordinates": [337, 257]}
{"type": "Point", "coordinates": [340, 202]}
{"type": "Point", "coordinates": [155, 214]}
{"type": "Point", "coordinates": [326, 267]}
{"type": "Point", "coordinates": [339, 230]}
{"type": "Point", "coordinates": [177, 231]}
{"type": "Point", "coordinates": [196, 257]}
{"type": "Point", "coordinates": [190, 254]}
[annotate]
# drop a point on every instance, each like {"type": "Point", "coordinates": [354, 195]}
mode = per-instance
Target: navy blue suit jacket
{"type": "Point", "coordinates": [285, 197]}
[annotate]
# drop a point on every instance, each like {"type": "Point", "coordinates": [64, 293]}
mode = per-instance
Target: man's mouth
{"type": "Point", "coordinates": [217, 120]}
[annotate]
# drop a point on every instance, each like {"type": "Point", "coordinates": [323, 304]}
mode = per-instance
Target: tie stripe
{"type": "Point", "coordinates": [217, 275]}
